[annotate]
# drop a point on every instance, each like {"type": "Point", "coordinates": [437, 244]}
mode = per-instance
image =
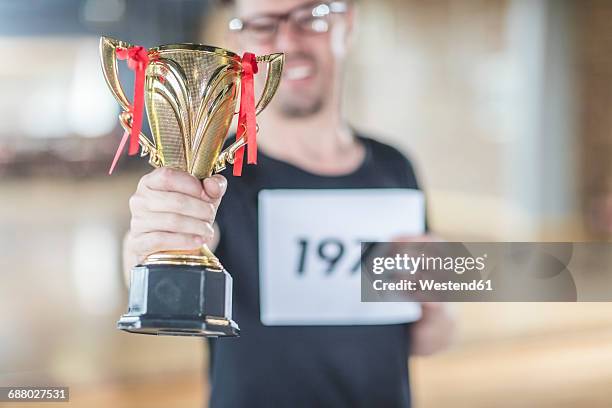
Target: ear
{"type": "Point", "coordinates": [351, 15]}
{"type": "Point", "coordinates": [342, 34]}
{"type": "Point", "coordinates": [351, 22]}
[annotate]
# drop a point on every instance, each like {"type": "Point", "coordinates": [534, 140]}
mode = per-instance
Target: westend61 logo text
{"type": "Point", "coordinates": [412, 264]}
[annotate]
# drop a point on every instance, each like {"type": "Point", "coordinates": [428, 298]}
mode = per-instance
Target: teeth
{"type": "Point", "coordinates": [298, 72]}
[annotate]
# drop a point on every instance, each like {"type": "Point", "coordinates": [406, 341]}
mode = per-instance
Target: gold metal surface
{"type": "Point", "coordinates": [220, 321]}
{"type": "Point", "coordinates": [191, 91]}
{"type": "Point", "coordinates": [275, 64]}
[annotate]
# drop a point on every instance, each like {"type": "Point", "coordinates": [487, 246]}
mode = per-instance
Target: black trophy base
{"type": "Point", "coordinates": [180, 300]}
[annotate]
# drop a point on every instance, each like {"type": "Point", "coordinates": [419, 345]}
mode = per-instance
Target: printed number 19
{"type": "Point", "coordinates": [329, 250]}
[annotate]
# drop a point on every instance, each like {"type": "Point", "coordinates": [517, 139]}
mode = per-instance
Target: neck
{"type": "Point", "coordinates": [321, 143]}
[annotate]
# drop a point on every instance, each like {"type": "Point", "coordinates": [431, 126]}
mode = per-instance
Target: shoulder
{"type": "Point", "coordinates": [389, 158]}
{"type": "Point", "coordinates": [383, 150]}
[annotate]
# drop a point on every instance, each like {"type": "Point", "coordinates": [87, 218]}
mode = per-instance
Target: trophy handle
{"type": "Point", "coordinates": [229, 154]}
{"type": "Point", "coordinates": [108, 58]}
{"type": "Point", "coordinates": [275, 64]}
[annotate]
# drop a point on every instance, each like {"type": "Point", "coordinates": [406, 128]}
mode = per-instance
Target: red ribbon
{"type": "Point", "coordinates": [246, 118]}
{"type": "Point", "coordinates": [137, 60]}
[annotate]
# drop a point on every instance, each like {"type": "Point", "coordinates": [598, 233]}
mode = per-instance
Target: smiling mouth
{"type": "Point", "coordinates": [298, 72]}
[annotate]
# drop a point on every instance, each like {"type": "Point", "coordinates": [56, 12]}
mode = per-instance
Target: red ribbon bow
{"type": "Point", "coordinates": [246, 117]}
{"type": "Point", "coordinates": [137, 60]}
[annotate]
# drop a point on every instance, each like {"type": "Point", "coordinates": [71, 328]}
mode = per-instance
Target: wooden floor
{"type": "Point", "coordinates": [177, 391]}
{"type": "Point", "coordinates": [564, 371]}
{"type": "Point", "coordinates": [506, 355]}
{"type": "Point", "coordinates": [548, 368]}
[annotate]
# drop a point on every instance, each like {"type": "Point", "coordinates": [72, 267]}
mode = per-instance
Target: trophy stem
{"type": "Point", "coordinates": [202, 256]}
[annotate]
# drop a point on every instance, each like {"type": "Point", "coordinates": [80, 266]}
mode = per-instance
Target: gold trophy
{"type": "Point", "coordinates": [190, 94]}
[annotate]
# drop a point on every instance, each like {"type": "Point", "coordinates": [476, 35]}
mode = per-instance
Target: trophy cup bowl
{"type": "Point", "coordinates": [190, 96]}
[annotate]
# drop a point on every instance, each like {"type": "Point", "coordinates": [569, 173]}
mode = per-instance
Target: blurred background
{"type": "Point", "coordinates": [504, 105]}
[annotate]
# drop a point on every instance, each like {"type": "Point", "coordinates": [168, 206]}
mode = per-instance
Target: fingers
{"type": "Point", "coordinates": [167, 179]}
{"type": "Point", "coordinates": [152, 201]}
{"type": "Point", "coordinates": [214, 189]}
{"type": "Point", "coordinates": [172, 223]}
{"type": "Point", "coordinates": [148, 243]}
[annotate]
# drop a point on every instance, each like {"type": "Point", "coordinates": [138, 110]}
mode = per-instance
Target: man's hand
{"type": "Point", "coordinates": [436, 329]}
{"type": "Point", "coordinates": [171, 210]}
{"type": "Point", "coordinates": [434, 332]}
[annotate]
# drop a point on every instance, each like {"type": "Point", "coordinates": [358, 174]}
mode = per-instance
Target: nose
{"type": "Point", "coordinates": [287, 37]}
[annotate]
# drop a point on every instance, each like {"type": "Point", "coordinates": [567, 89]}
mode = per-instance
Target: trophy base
{"type": "Point", "coordinates": [169, 327]}
{"type": "Point", "coordinates": [180, 300]}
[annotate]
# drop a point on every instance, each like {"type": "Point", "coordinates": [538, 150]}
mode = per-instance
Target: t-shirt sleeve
{"type": "Point", "coordinates": [409, 177]}
{"type": "Point", "coordinates": [408, 173]}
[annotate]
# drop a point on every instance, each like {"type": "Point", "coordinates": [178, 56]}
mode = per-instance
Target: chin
{"type": "Point", "coordinates": [299, 102]}
{"type": "Point", "coordinates": [300, 110]}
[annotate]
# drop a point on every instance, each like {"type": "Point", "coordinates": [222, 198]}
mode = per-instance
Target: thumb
{"type": "Point", "coordinates": [214, 188]}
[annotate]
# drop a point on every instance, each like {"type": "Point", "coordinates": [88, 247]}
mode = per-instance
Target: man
{"type": "Point", "coordinates": [304, 143]}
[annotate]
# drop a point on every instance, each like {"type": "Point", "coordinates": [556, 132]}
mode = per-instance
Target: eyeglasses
{"type": "Point", "coordinates": [311, 18]}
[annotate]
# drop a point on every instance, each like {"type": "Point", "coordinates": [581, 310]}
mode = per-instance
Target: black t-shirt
{"type": "Point", "coordinates": [303, 366]}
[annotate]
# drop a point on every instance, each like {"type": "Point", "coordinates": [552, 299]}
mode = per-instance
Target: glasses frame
{"type": "Point", "coordinates": [319, 9]}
